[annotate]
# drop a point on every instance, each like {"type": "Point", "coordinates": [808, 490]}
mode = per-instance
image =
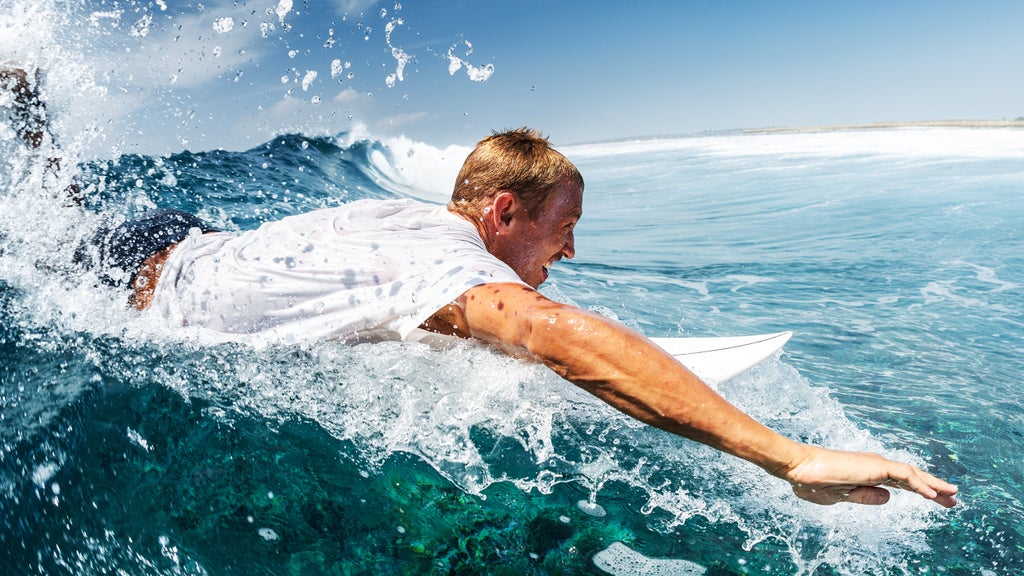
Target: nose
{"type": "Point", "coordinates": [569, 248]}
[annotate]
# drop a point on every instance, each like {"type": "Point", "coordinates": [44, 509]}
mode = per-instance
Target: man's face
{"type": "Point", "coordinates": [532, 246]}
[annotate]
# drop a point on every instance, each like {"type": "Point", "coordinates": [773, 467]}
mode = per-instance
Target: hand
{"type": "Point", "coordinates": [829, 476]}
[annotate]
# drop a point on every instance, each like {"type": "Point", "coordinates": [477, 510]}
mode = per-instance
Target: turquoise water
{"type": "Point", "coordinates": [894, 256]}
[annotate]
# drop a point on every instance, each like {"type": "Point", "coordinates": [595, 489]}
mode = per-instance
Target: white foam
{"type": "Point", "coordinates": [268, 534]}
{"type": "Point", "coordinates": [138, 439]}
{"type": "Point", "coordinates": [592, 509]}
{"type": "Point", "coordinates": [988, 275]}
{"type": "Point", "coordinates": [905, 142]}
{"type": "Point", "coordinates": [43, 473]}
{"type": "Point", "coordinates": [421, 170]}
{"type": "Point", "coordinates": [621, 560]}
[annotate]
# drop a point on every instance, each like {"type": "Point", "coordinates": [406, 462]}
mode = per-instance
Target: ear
{"type": "Point", "coordinates": [504, 207]}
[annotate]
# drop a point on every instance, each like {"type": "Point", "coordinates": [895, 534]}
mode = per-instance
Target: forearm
{"type": "Point", "coordinates": [636, 377]}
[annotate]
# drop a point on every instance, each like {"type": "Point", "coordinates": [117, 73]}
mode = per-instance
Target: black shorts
{"type": "Point", "coordinates": [122, 251]}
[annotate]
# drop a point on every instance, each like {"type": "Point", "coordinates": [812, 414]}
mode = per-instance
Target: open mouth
{"type": "Point", "coordinates": [546, 270]}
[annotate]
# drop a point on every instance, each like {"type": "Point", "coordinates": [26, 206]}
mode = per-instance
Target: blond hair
{"type": "Point", "coordinates": [520, 161]}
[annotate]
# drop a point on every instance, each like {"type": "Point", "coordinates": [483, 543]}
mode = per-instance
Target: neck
{"type": "Point", "coordinates": [480, 223]}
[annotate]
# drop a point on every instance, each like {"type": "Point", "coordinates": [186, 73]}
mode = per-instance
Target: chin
{"type": "Point", "coordinates": [540, 280]}
{"type": "Point", "coordinates": [533, 280]}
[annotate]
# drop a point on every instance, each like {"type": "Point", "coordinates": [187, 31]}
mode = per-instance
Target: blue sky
{"type": "Point", "coordinates": [164, 75]}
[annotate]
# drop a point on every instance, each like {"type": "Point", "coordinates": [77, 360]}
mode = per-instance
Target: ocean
{"type": "Point", "coordinates": [895, 257]}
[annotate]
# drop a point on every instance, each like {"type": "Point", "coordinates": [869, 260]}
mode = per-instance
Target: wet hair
{"type": "Point", "coordinates": [520, 161]}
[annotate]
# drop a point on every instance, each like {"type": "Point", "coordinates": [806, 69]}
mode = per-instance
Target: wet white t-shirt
{"type": "Point", "coordinates": [370, 269]}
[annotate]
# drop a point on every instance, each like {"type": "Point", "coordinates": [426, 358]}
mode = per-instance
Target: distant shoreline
{"type": "Point", "coordinates": [891, 125]}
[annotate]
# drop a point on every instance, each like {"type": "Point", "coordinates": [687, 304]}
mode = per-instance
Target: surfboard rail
{"type": "Point", "coordinates": [714, 359]}
{"type": "Point", "coordinates": [717, 359]}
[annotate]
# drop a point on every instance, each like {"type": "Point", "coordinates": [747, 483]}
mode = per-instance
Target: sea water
{"type": "Point", "coordinates": [894, 255]}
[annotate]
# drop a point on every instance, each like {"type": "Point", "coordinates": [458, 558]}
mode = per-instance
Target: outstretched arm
{"type": "Point", "coordinates": [633, 375]}
{"type": "Point", "coordinates": [30, 121]}
{"type": "Point", "coordinates": [29, 110]}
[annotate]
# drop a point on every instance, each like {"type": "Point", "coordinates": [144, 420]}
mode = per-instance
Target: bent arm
{"type": "Point", "coordinates": [638, 378]}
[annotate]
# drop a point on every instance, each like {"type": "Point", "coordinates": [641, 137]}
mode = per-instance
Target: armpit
{"type": "Point", "coordinates": [449, 320]}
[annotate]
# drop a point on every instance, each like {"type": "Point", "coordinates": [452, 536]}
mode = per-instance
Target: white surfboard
{"type": "Point", "coordinates": [714, 359]}
{"type": "Point", "coordinates": [719, 359]}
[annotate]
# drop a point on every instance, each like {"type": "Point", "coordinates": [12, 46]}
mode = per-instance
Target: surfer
{"type": "Point", "coordinates": [376, 269]}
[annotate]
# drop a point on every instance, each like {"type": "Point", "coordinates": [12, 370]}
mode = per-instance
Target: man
{"type": "Point", "coordinates": [395, 269]}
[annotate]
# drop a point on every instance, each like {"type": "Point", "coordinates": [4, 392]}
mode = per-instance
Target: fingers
{"type": "Point", "coordinates": [827, 496]}
{"type": "Point", "coordinates": [913, 479]}
{"type": "Point", "coordinates": [870, 495]}
{"type": "Point", "coordinates": [873, 495]}
{"type": "Point", "coordinates": [945, 500]}
{"type": "Point", "coordinates": [928, 486]}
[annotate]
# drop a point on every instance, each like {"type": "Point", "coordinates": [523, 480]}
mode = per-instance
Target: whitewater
{"type": "Point", "coordinates": [895, 257]}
